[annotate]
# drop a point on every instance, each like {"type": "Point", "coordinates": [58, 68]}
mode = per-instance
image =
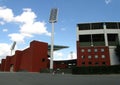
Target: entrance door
{"type": "Point", "coordinates": [11, 68]}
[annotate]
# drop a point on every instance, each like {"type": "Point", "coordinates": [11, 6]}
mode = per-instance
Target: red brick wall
{"type": "Point", "coordinates": [17, 60]}
{"type": "Point", "coordinates": [3, 64]}
{"type": "Point", "coordinates": [26, 59]}
{"type": "Point", "coordinates": [7, 63]}
{"type": "Point", "coordinates": [86, 61]}
{"type": "Point", "coordinates": [32, 59]}
{"type": "Point", "coordinates": [39, 55]}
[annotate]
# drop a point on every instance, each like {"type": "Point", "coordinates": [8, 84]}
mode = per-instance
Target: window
{"type": "Point", "coordinates": [85, 40]}
{"type": "Point", "coordinates": [103, 56]}
{"type": "Point", "coordinates": [84, 26]}
{"type": "Point", "coordinates": [89, 50]}
{"type": "Point", "coordinates": [89, 57]}
{"type": "Point", "coordinates": [89, 63]}
{"type": "Point", "coordinates": [103, 63]}
{"type": "Point", "coordinates": [96, 63]}
{"type": "Point", "coordinates": [43, 60]}
{"type": "Point", "coordinates": [102, 50]}
{"type": "Point", "coordinates": [95, 50]}
{"type": "Point", "coordinates": [82, 50]}
{"type": "Point", "coordinates": [83, 63]}
{"type": "Point", "coordinates": [96, 56]}
{"type": "Point", "coordinates": [113, 39]}
{"type": "Point", "coordinates": [82, 57]}
{"type": "Point", "coordinates": [98, 39]}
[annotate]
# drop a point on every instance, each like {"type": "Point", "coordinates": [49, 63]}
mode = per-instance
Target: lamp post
{"type": "Point", "coordinates": [52, 20]}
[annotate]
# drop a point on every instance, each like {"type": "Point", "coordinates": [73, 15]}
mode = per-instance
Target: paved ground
{"type": "Point", "coordinates": [58, 79]}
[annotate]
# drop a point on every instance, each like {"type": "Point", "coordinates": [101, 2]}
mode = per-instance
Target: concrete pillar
{"type": "Point", "coordinates": [105, 35]}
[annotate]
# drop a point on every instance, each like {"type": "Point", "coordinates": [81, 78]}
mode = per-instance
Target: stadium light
{"type": "Point", "coordinates": [13, 46]}
{"type": "Point", "coordinates": [52, 20]}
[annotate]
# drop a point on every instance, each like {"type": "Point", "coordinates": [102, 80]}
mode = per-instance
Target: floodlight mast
{"type": "Point", "coordinates": [12, 47]}
{"type": "Point", "coordinates": [52, 20]}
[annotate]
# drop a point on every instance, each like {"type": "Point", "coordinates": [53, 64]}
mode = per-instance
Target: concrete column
{"type": "Point", "coordinates": [77, 36]}
{"type": "Point", "coordinates": [105, 35]}
{"type": "Point", "coordinates": [119, 35]}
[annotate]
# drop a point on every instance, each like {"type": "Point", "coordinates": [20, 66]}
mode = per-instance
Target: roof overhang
{"type": "Point", "coordinates": [57, 47]}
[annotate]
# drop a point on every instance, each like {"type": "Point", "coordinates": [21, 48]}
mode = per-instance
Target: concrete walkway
{"type": "Point", "coordinates": [57, 79]}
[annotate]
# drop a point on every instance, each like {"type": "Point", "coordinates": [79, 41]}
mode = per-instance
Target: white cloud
{"type": "Point", "coordinates": [26, 17]}
{"type": "Point", "coordinates": [17, 37]}
{"type": "Point", "coordinates": [5, 30]}
{"type": "Point", "coordinates": [34, 28]}
{"type": "Point", "coordinates": [6, 14]}
{"type": "Point", "coordinates": [27, 9]}
{"type": "Point", "coordinates": [108, 1]}
{"type": "Point", "coordinates": [27, 23]}
{"type": "Point", "coordinates": [4, 50]}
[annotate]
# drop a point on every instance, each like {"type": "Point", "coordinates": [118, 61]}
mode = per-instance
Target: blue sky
{"type": "Point", "coordinates": [26, 20]}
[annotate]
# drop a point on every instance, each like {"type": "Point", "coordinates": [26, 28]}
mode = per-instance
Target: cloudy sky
{"type": "Point", "coordinates": [26, 20]}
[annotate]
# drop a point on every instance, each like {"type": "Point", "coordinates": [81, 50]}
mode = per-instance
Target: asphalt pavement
{"type": "Point", "coordinates": [24, 78]}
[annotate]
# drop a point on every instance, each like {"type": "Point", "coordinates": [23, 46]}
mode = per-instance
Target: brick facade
{"type": "Point", "coordinates": [92, 55]}
{"type": "Point", "coordinates": [32, 59]}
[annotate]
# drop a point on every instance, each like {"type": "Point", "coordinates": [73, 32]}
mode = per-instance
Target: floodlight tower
{"type": "Point", "coordinates": [12, 47]}
{"type": "Point", "coordinates": [52, 20]}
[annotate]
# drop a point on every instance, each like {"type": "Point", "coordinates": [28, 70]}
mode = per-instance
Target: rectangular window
{"type": "Point", "coordinates": [82, 50]}
{"type": "Point", "coordinates": [95, 50]}
{"type": "Point", "coordinates": [89, 63]}
{"type": "Point", "coordinates": [96, 56]}
{"type": "Point", "coordinates": [89, 57]}
{"type": "Point", "coordinates": [96, 63]}
{"type": "Point", "coordinates": [89, 50]}
{"type": "Point", "coordinates": [103, 63]}
{"type": "Point", "coordinates": [83, 57]}
{"type": "Point", "coordinates": [103, 56]}
{"type": "Point", "coordinates": [111, 25]}
{"type": "Point", "coordinates": [102, 50]}
{"type": "Point", "coordinates": [83, 63]}
{"type": "Point", "coordinates": [84, 26]}
{"type": "Point", "coordinates": [113, 39]}
{"type": "Point", "coordinates": [85, 40]}
{"type": "Point", "coordinates": [43, 60]}
{"type": "Point", "coordinates": [98, 40]}
{"type": "Point", "coordinates": [97, 26]}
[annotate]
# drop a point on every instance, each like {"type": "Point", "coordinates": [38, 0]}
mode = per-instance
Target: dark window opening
{"type": "Point", "coordinates": [83, 57]}
{"type": "Point", "coordinates": [85, 40]}
{"type": "Point", "coordinates": [96, 63]}
{"type": "Point", "coordinates": [83, 63]}
{"type": "Point", "coordinates": [119, 25]}
{"type": "Point", "coordinates": [84, 26]}
{"type": "Point", "coordinates": [98, 40]}
{"type": "Point", "coordinates": [103, 63]}
{"type": "Point", "coordinates": [113, 39]}
{"type": "Point", "coordinates": [89, 63]}
{"type": "Point", "coordinates": [111, 25]}
{"type": "Point", "coordinates": [43, 60]}
{"type": "Point", "coordinates": [97, 26]}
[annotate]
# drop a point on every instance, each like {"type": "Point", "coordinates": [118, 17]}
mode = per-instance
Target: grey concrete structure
{"type": "Point", "coordinates": [57, 79]}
